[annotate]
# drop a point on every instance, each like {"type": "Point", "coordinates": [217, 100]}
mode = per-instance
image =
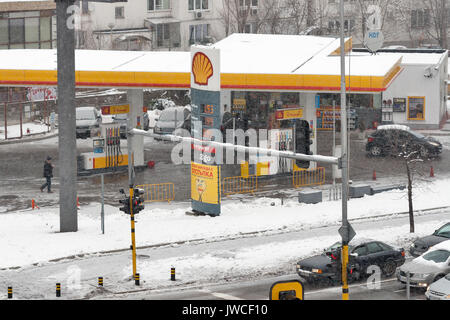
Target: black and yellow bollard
{"type": "Point", "coordinates": [10, 293]}
{"type": "Point", "coordinates": [100, 281]}
{"type": "Point", "coordinates": [172, 274]}
{"type": "Point", "coordinates": [58, 290]}
{"type": "Point", "coordinates": [136, 279]}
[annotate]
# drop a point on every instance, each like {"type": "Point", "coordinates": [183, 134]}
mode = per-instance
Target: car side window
{"type": "Point", "coordinates": [384, 246]}
{"type": "Point", "coordinates": [361, 250]}
{"type": "Point", "coordinates": [374, 247]}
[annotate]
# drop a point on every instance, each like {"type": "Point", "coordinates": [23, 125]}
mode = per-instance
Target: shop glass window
{"type": "Point", "coordinates": [17, 31]}
{"type": "Point", "coordinates": [4, 32]}
{"type": "Point", "coordinates": [45, 28]}
{"type": "Point", "coordinates": [32, 30]}
{"type": "Point", "coordinates": [416, 108]}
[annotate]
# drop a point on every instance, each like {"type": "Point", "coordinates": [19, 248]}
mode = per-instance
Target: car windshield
{"type": "Point", "coordinates": [443, 231]}
{"type": "Point", "coordinates": [437, 256]}
{"type": "Point", "coordinates": [85, 114]}
{"type": "Point", "coordinates": [171, 115]}
{"type": "Point", "coordinates": [416, 134]}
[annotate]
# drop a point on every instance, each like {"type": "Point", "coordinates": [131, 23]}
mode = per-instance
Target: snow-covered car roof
{"type": "Point", "coordinates": [393, 127]}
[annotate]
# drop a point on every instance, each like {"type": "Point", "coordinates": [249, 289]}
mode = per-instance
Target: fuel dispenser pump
{"type": "Point", "coordinates": [107, 153]}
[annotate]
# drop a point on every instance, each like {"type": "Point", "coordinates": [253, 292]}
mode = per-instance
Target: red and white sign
{"type": "Point", "coordinates": [205, 68]}
{"type": "Point", "coordinates": [41, 94]}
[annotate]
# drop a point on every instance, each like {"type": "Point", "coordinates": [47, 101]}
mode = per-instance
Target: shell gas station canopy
{"type": "Point", "coordinates": [248, 62]}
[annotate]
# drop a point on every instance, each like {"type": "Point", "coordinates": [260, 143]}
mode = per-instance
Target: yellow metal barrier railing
{"type": "Point", "coordinates": [160, 192]}
{"type": "Point", "coordinates": [238, 185]}
{"type": "Point", "coordinates": [308, 177]}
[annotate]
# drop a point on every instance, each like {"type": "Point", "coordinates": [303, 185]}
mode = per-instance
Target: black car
{"type": "Point", "coordinates": [362, 254]}
{"type": "Point", "coordinates": [423, 244]}
{"type": "Point", "coordinates": [397, 139]}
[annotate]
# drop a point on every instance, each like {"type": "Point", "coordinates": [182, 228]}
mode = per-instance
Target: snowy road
{"type": "Point", "coordinates": [247, 273]}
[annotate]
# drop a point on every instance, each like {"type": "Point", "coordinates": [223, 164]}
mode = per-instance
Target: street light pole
{"type": "Point", "coordinates": [344, 163]}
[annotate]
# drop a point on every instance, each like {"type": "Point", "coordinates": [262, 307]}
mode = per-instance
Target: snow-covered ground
{"type": "Point", "coordinates": [14, 130]}
{"type": "Point", "coordinates": [32, 236]}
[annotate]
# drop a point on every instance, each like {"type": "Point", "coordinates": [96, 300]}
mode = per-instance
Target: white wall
{"type": "Point", "coordinates": [412, 83]}
{"type": "Point", "coordinates": [102, 15]}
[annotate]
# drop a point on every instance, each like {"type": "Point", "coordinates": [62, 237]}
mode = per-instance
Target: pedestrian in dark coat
{"type": "Point", "coordinates": [48, 174]}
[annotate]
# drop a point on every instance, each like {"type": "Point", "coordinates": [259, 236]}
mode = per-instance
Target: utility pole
{"type": "Point", "coordinates": [444, 24]}
{"type": "Point", "coordinates": [345, 229]}
{"type": "Point", "coordinates": [310, 13]}
{"type": "Point", "coordinates": [66, 115]}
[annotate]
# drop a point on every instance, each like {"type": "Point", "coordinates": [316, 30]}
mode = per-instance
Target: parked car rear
{"type": "Point", "coordinates": [397, 139]}
{"type": "Point", "coordinates": [172, 119]}
{"type": "Point", "coordinates": [88, 120]}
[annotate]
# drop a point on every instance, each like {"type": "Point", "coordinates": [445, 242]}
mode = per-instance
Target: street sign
{"type": "Point", "coordinates": [374, 40]}
{"type": "Point", "coordinates": [124, 108]}
{"type": "Point", "coordinates": [347, 233]}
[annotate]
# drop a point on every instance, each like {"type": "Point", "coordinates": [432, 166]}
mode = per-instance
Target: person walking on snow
{"type": "Point", "coordinates": [48, 174]}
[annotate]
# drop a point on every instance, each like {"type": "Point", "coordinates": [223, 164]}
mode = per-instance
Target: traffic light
{"type": "Point", "coordinates": [302, 142]}
{"type": "Point", "coordinates": [126, 205]}
{"type": "Point", "coordinates": [138, 200]}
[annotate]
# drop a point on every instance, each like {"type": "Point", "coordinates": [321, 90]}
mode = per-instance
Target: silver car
{"type": "Point", "coordinates": [427, 268]}
{"type": "Point", "coordinates": [439, 290]}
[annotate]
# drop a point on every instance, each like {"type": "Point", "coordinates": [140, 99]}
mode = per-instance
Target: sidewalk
{"type": "Point", "coordinates": [37, 131]}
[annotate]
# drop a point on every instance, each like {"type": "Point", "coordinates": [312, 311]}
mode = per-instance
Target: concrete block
{"type": "Point", "coordinates": [379, 189]}
{"type": "Point", "coordinates": [310, 197]}
{"type": "Point", "coordinates": [359, 191]}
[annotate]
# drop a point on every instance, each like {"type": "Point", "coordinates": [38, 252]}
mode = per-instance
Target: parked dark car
{"type": "Point", "coordinates": [122, 119]}
{"type": "Point", "coordinates": [423, 244]}
{"type": "Point", "coordinates": [362, 254]}
{"type": "Point", "coordinates": [395, 139]}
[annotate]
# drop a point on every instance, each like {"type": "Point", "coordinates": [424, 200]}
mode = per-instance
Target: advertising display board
{"type": "Point", "coordinates": [205, 187]}
{"type": "Point", "coordinates": [205, 115]}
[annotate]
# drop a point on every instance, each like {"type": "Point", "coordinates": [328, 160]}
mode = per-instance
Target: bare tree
{"type": "Point", "coordinates": [437, 29]}
{"type": "Point", "coordinates": [237, 14]}
{"type": "Point", "coordinates": [412, 155]}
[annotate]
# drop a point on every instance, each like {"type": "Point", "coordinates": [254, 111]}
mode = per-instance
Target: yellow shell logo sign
{"type": "Point", "coordinates": [202, 69]}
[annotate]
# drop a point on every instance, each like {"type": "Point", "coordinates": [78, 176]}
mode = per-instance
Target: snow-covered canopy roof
{"type": "Point", "coordinates": [248, 61]}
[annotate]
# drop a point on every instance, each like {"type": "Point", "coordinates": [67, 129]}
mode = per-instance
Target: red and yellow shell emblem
{"type": "Point", "coordinates": [202, 69]}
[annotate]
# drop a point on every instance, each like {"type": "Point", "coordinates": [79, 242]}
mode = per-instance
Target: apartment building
{"type": "Point", "coordinates": [149, 24]}
{"type": "Point", "coordinates": [27, 25]}
{"type": "Point", "coordinates": [410, 23]}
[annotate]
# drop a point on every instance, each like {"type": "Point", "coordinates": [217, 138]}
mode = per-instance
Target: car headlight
{"type": "Point", "coordinates": [434, 144]}
{"type": "Point", "coordinates": [447, 297]}
{"type": "Point", "coordinates": [317, 270]}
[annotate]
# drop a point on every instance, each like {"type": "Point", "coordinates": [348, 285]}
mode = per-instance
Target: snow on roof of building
{"type": "Point", "coordinates": [247, 61]}
{"type": "Point", "coordinates": [267, 53]}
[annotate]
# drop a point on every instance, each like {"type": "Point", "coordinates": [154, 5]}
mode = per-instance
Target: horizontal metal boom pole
{"type": "Point", "coordinates": [239, 148]}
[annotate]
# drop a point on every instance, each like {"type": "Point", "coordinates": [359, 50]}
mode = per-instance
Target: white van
{"type": "Point", "coordinates": [88, 120]}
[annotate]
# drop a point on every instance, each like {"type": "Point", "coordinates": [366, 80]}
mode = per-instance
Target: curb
{"type": "Point", "coordinates": [32, 139]}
